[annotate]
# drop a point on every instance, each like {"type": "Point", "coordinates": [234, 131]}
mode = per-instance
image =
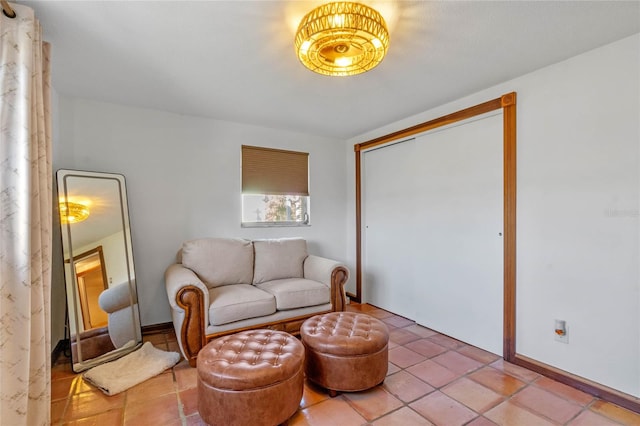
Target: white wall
{"type": "Point", "coordinates": [183, 181]}
{"type": "Point", "coordinates": [577, 213]}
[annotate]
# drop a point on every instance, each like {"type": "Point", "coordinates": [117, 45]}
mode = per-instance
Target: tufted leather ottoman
{"type": "Point", "coordinates": [254, 377]}
{"type": "Point", "coordinates": [346, 351]}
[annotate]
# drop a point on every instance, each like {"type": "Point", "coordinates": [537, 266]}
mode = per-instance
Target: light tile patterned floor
{"type": "Point", "coordinates": [432, 379]}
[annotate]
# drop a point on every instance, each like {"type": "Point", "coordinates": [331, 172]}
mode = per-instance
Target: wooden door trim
{"type": "Point", "coordinates": [97, 249]}
{"type": "Point", "coordinates": [507, 103]}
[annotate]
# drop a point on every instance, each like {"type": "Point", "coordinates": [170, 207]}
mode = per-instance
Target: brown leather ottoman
{"type": "Point", "coordinates": [346, 351]}
{"type": "Point", "coordinates": [254, 377]}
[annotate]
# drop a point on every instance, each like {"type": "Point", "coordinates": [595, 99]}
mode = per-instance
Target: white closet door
{"type": "Point", "coordinates": [433, 216]}
{"type": "Point", "coordinates": [388, 240]}
{"type": "Point", "coordinates": [459, 190]}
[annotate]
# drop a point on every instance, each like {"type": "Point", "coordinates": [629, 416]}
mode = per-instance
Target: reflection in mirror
{"type": "Point", "coordinates": [102, 302]}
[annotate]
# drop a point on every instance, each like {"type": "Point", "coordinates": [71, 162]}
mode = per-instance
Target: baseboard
{"type": "Point", "coordinates": [603, 392]}
{"type": "Point", "coordinates": [157, 328]}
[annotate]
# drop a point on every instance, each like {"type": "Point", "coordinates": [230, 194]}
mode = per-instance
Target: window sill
{"type": "Point", "coordinates": [274, 225]}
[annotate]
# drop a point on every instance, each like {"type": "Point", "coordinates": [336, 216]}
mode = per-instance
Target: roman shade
{"type": "Point", "coordinates": [274, 171]}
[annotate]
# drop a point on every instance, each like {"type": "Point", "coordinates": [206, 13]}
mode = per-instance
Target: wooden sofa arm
{"type": "Point", "coordinates": [339, 277]}
{"type": "Point", "coordinates": [192, 334]}
{"type": "Point", "coordinates": [189, 301]}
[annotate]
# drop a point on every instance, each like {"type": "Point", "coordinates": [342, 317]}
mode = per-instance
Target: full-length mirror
{"type": "Point", "coordinates": [102, 301]}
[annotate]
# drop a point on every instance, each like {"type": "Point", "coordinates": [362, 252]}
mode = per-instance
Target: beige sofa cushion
{"type": "Point", "coordinates": [292, 293]}
{"type": "Point", "coordinates": [236, 302]}
{"type": "Point", "coordinates": [219, 261]}
{"type": "Point", "coordinates": [279, 258]}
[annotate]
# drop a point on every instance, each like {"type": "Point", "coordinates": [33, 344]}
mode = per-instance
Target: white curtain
{"type": "Point", "coordinates": [25, 221]}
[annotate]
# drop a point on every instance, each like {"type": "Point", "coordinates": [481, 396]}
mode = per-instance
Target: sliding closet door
{"type": "Point", "coordinates": [388, 234]}
{"type": "Point", "coordinates": [433, 224]}
{"type": "Point", "coordinates": [459, 191]}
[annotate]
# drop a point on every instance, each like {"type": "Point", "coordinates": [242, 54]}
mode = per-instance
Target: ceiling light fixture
{"type": "Point", "coordinates": [73, 212]}
{"type": "Point", "coordinates": [342, 38]}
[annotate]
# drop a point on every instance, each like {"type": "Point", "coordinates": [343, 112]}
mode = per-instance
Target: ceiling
{"type": "Point", "coordinates": [234, 60]}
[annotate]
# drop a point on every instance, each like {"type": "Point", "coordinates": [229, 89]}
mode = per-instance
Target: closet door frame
{"type": "Point", "coordinates": [507, 103]}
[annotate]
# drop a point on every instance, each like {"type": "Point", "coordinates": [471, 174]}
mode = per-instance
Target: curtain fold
{"type": "Point", "coordinates": [25, 221]}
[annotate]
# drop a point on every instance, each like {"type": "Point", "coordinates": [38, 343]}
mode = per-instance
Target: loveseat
{"type": "Point", "coordinates": [220, 286]}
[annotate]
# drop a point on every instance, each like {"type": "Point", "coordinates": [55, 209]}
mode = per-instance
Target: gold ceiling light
{"type": "Point", "coordinates": [342, 38]}
{"type": "Point", "coordinates": [73, 212]}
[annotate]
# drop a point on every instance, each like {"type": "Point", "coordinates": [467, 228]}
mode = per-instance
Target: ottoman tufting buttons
{"type": "Point", "coordinates": [345, 351]}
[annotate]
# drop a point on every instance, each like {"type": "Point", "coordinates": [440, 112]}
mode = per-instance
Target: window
{"type": "Point", "coordinates": [275, 187]}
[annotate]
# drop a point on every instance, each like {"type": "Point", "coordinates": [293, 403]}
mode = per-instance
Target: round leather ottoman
{"type": "Point", "coordinates": [346, 351]}
{"type": "Point", "coordinates": [254, 377]}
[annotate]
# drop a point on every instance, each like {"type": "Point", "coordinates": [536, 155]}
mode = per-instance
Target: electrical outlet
{"type": "Point", "coordinates": [561, 331]}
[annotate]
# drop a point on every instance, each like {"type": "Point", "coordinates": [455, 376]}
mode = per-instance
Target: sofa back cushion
{"type": "Point", "coordinates": [219, 261]}
{"type": "Point", "coordinates": [278, 258]}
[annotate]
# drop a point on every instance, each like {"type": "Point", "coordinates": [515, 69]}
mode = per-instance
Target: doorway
{"type": "Point", "coordinates": [92, 280]}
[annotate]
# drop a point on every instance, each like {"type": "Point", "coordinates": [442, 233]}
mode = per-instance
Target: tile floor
{"type": "Point", "coordinates": [432, 379]}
